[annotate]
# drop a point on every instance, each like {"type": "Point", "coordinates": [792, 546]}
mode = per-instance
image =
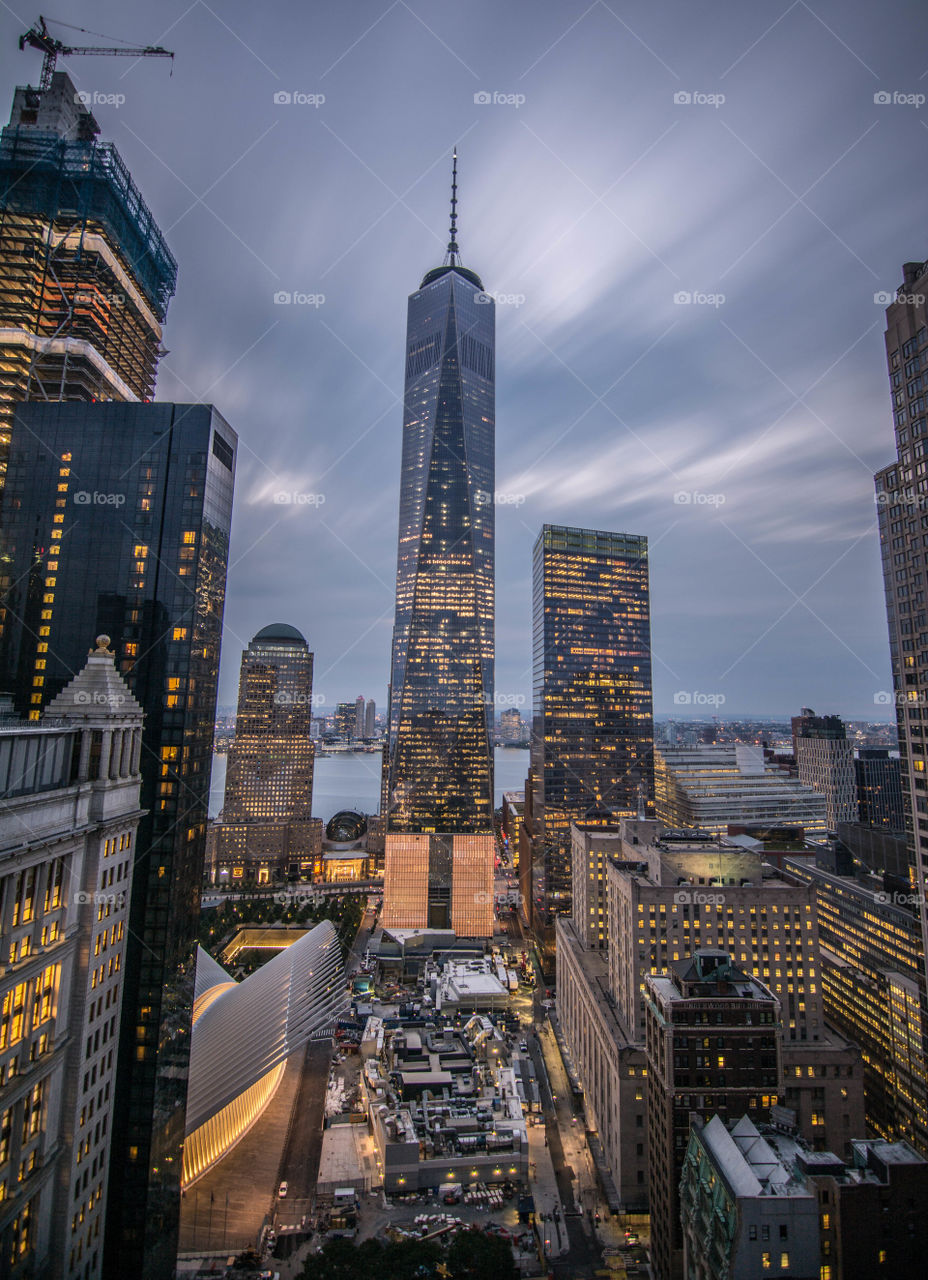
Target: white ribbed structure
{"type": "Point", "coordinates": [255, 1025]}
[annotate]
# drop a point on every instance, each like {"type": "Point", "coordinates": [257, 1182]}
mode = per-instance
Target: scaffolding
{"type": "Point", "coordinates": [85, 276]}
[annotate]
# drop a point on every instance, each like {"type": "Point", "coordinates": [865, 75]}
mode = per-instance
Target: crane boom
{"type": "Point", "coordinates": [39, 37]}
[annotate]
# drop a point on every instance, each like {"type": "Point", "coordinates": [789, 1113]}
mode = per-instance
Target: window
{"type": "Point", "coordinates": [765, 1259]}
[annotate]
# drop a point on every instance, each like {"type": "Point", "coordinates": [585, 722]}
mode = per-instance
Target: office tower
{"type": "Point", "coordinates": [439, 882]}
{"type": "Point", "coordinates": [825, 761]}
{"type": "Point", "coordinates": [438, 763]}
{"type": "Point", "coordinates": [116, 520]}
{"type": "Point", "coordinates": [902, 512]}
{"type": "Point", "coordinates": [715, 787]}
{"type": "Point", "coordinates": [511, 725]}
{"type": "Point", "coordinates": [879, 788]}
{"type": "Point", "coordinates": [873, 986]}
{"type": "Point", "coordinates": [359, 716]}
{"type": "Point", "coordinates": [592, 729]}
{"type": "Point", "coordinates": [266, 830]}
{"type": "Point", "coordinates": [754, 1202]}
{"type": "Point", "coordinates": [713, 1046]}
{"type": "Point", "coordinates": [370, 719]}
{"type": "Point", "coordinates": [344, 720]}
{"type": "Point", "coordinates": [667, 894]}
{"type": "Point", "coordinates": [69, 787]}
{"type": "Point", "coordinates": [85, 274]}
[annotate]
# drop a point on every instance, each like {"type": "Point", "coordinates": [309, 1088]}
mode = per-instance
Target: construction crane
{"type": "Point", "coordinates": [39, 37]}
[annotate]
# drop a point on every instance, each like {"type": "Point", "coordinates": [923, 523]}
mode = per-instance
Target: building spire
{"type": "Point", "coordinates": [454, 253]}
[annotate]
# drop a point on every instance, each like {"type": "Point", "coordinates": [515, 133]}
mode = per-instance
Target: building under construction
{"type": "Point", "coordinates": [85, 274]}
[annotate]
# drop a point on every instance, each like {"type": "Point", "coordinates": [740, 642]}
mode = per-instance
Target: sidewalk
{"type": "Point", "coordinates": [544, 1189]}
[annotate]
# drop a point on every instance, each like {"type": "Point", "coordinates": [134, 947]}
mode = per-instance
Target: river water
{"type": "Point", "coordinates": [351, 780]}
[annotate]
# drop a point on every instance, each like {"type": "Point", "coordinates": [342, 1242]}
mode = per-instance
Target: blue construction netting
{"type": "Point", "coordinates": [42, 173]}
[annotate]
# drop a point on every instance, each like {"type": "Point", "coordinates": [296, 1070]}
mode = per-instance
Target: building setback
{"type": "Point", "coordinates": [266, 830]}
{"type": "Point", "coordinates": [85, 274]}
{"type": "Point", "coordinates": [68, 823]}
{"type": "Point", "coordinates": [437, 761]}
{"type": "Point", "coordinates": [116, 520]}
{"type": "Point", "coordinates": [592, 724]}
{"type": "Point", "coordinates": [715, 787]}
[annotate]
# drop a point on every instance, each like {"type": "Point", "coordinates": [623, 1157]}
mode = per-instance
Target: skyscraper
{"type": "Point", "coordinates": [85, 274]}
{"type": "Point", "coordinates": [370, 718]}
{"type": "Point", "coordinates": [359, 710]}
{"type": "Point", "coordinates": [879, 788]}
{"type": "Point", "coordinates": [593, 725]}
{"type": "Point", "coordinates": [116, 519]}
{"type": "Point", "coordinates": [438, 763]}
{"type": "Point", "coordinates": [825, 759]}
{"type": "Point", "coordinates": [902, 512]}
{"type": "Point", "coordinates": [266, 831]}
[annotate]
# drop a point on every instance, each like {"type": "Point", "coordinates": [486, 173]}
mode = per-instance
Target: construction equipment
{"type": "Point", "coordinates": [39, 37]}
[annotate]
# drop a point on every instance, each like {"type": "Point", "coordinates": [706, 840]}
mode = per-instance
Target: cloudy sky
{"type": "Point", "coordinates": [614, 158]}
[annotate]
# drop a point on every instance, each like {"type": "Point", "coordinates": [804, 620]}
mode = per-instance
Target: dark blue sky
{"type": "Point", "coordinates": [592, 194]}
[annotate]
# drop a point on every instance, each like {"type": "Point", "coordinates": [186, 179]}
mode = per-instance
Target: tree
{"type": "Point", "coordinates": [474, 1255]}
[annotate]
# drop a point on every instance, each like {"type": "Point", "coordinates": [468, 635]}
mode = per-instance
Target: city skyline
{"type": "Point", "coordinates": [535, 176]}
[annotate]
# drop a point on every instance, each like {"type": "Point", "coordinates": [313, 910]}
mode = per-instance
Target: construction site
{"type": "Point", "coordinates": [85, 274]}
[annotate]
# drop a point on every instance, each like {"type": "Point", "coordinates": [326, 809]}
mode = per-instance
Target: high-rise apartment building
{"type": "Point", "coordinates": [266, 830]}
{"type": "Point", "coordinates": [85, 274]}
{"type": "Point", "coordinates": [713, 1046]}
{"type": "Point", "coordinates": [438, 762]}
{"type": "Point", "coordinates": [116, 520]}
{"type": "Point", "coordinates": [825, 762]}
{"type": "Point", "coordinates": [344, 720]}
{"type": "Point", "coordinates": [360, 708]}
{"type": "Point", "coordinates": [879, 789]}
{"type": "Point", "coordinates": [370, 718]}
{"type": "Point", "coordinates": [69, 816]}
{"type": "Point", "coordinates": [592, 718]}
{"type": "Point", "coordinates": [714, 787]}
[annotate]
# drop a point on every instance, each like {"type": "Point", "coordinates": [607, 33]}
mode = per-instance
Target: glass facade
{"type": "Point", "coordinates": [116, 520]}
{"type": "Point", "coordinates": [265, 830]}
{"type": "Point", "coordinates": [438, 763]}
{"type": "Point", "coordinates": [592, 732]}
